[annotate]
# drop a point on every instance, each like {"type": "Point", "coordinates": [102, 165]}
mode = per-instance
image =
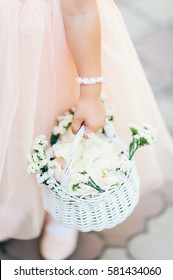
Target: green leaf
{"type": "Point", "coordinates": [143, 142]}
{"type": "Point", "coordinates": [111, 118]}
{"type": "Point", "coordinates": [92, 184]}
{"type": "Point", "coordinates": [103, 130]}
{"type": "Point", "coordinates": [134, 131]}
{"type": "Point", "coordinates": [75, 187]}
{"type": "Point", "coordinates": [44, 168]}
{"type": "Point", "coordinates": [68, 126]}
{"type": "Point", "coordinates": [54, 139]}
{"type": "Point", "coordinates": [83, 172]}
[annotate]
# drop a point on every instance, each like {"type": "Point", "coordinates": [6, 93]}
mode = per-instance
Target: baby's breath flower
{"type": "Point", "coordinates": [41, 155]}
{"type": "Point", "coordinates": [126, 166]}
{"type": "Point", "coordinates": [56, 130]}
{"type": "Point", "coordinates": [42, 178]}
{"type": "Point", "coordinates": [33, 168]}
{"type": "Point", "coordinates": [110, 113]}
{"type": "Point", "coordinates": [44, 162]}
{"type": "Point", "coordinates": [30, 158]}
{"type": "Point", "coordinates": [145, 135]}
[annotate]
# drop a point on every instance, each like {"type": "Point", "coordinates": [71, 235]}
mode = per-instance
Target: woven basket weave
{"type": "Point", "coordinates": [93, 212]}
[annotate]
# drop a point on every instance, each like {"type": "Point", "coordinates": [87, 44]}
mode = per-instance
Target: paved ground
{"type": "Point", "coordinates": [148, 233]}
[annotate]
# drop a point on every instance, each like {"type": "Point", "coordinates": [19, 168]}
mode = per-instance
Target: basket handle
{"type": "Point", "coordinates": [110, 133]}
{"type": "Point", "coordinates": [71, 156]}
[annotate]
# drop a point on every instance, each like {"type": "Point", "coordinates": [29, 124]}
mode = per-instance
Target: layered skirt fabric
{"type": "Point", "coordinates": [37, 82]}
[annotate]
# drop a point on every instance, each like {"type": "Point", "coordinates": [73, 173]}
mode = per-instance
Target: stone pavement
{"type": "Point", "coordinates": [148, 232]}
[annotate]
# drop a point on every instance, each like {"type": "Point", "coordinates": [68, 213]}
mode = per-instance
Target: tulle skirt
{"type": "Point", "coordinates": [37, 82]}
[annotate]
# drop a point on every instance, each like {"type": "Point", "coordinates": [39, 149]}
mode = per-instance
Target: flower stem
{"type": "Point", "coordinates": [92, 184]}
{"type": "Point", "coordinates": [133, 148]}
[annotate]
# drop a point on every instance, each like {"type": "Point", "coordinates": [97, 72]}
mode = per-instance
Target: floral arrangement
{"type": "Point", "coordinates": [99, 164]}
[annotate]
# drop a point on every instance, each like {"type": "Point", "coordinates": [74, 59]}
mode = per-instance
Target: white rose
{"type": "Point", "coordinates": [110, 180]}
{"type": "Point", "coordinates": [51, 163]}
{"type": "Point", "coordinates": [94, 149]}
{"type": "Point", "coordinates": [61, 149]}
{"type": "Point", "coordinates": [76, 178]}
{"type": "Point", "coordinates": [68, 137]}
{"type": "Point", "coordinates": [58, 173]}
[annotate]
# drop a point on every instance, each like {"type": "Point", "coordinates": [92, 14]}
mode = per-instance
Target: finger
{"type": "Point", "coordinates": [89, 133]}
{"type": "Point", "coordinates": [76, 125]}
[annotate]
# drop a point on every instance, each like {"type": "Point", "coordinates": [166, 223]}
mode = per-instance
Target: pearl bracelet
{"type": "Point", "coordinates": [90, 81]}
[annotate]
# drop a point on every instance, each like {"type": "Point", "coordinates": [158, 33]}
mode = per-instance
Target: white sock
{"type": "Point", "coordinates": [53, 227]}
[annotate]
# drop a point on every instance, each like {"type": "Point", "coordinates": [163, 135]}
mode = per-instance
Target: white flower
{"type": "Point", "coordinates": [30, 158]}
{"type": "Point", "coordinates": [51, 183]}
{"type": "Point", "coordinates": [58, 173]}
{"type": "Point", "coordinates": [149, 133]}
{"type": "Point", "coordinates": [125, 166]}
{"type": "Point", "coordinates": [146, 131]}
{"type": "Point", "coordinates": [61, 149]}
{"type": "Point", "coordinates": [64, 122]}
{"type": "Point", "coordinates": [56, 130]}
{"type": "Point", "coordinates": [33, 168]}
{"type": "Point", "coordinates": [51, 163]}
{"type": "Point", "coordinates": [41, 155]}
{"type": "Point", "coordinates": [103, 97]}
{"type": "Point", "coordinates": [40, 143]}
{"type": "Point", "coordinates": [35, 157]}
{"type": "Point", "coordinates": [40, 138]}
{"type": "Point", "coordinates": [44, 162]}
{"type": "Point", "coordinates": [111, 179]}
{"type": "Point", "coordinates": [65, 115]}
{"type": "Point", "coordinates": [39, 179]}
{"type": "Point", "coordinates": [77, 178]}
{"type": "Point", "coordinates": [50, 172]}
{"type": "Point", "coordinates": [42, 178]}
{"type": "Point", "coordinates": [61, 128]}
{"type": "Point", "coordinates": [110, 112]}
{"type": "Point", "coordinates": [137, 137]}
{"type": "Point", "coordinates": [38, 147]}
{"type": "Point", "coordinates": [68, 137]}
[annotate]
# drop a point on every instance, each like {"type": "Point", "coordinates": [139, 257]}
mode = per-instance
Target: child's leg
{"type": "Point", "coordinates": [58, 242]}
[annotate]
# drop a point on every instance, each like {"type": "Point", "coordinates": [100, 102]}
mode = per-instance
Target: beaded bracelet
{"type": "Point", "coordinates": [90, 81]}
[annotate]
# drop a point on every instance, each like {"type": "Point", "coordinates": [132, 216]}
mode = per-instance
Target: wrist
{"type": "Point", "coordinates": [91, 93]}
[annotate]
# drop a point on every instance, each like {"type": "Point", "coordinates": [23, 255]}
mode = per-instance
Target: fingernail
{"type": "Point", "coordinates": [90, 134]}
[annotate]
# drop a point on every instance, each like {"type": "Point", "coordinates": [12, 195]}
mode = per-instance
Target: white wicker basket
{"type": "Point", "coordinates": [97, 211]}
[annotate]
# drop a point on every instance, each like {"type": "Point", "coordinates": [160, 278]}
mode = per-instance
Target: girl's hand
{"type": "Point", "coordinates": [89, 110]}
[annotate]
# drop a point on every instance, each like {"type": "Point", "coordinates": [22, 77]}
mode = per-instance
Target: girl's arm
{"type": "Point", "coordinates": [82, 25]}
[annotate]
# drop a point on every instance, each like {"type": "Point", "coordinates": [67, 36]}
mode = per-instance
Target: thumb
{"type": "Point", "coordinates": [76, 124]}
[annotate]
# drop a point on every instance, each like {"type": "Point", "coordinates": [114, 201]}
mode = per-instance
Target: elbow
{"type": "Point", "coordinates": [78, 7]}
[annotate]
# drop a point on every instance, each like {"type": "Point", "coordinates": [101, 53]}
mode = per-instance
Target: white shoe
{"type": "Point", "coordinates": [58, 242]}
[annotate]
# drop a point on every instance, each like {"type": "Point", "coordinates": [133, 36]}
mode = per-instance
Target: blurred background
{"type": "Point", "coordinates": [150, 24]}
{"type": "Point", "coordinates": [148, 232]}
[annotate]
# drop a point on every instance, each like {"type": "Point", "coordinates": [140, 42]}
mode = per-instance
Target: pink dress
{"type": "Point", "coordinates": [37, 82]}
